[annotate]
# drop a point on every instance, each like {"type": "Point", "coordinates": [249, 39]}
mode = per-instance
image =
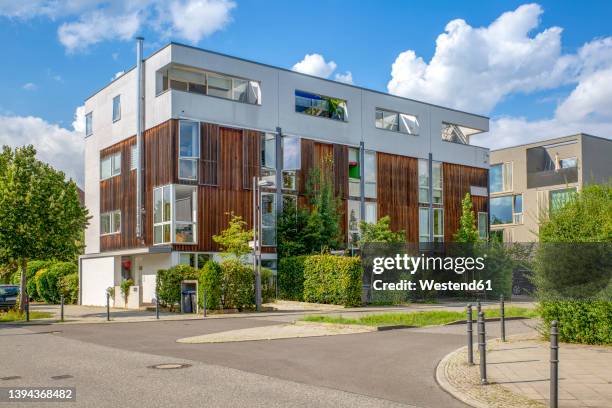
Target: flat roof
{"type": "Point", "coordinates": [286, 70]}
{"type": "Point", "coordinates": [545, 142]}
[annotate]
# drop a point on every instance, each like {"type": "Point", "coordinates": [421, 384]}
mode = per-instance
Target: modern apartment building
{"type": "Point", "coordinates": [528, 181]}
{"type": "Point", "coordinates": [172, 146]}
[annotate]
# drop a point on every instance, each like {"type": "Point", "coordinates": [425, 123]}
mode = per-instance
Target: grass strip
{"type": "Point", "coordinates": [13, 315]}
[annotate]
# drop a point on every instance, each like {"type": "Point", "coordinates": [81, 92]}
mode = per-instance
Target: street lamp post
{"type": "Point", "coordinates": [257, 215]}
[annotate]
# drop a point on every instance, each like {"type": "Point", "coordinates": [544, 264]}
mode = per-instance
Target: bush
{"type": "Point", "coordinates": [69, 287]}
{"type": "Point", "coordinates": [291, 278]}
{"type": "Point", "coordinates": [125, 290]}
{"type": "Point", "coordinates": [580, 321]}
{"type": "Point", "coordinates": [31, 270]}
{"type": "Point", "coordinates": [238, 285]}
{"type": "Point", "coordinates": [168, 284]}
{"type": "Point", "coordinates": [267, 285]}
{"type": "Point", "coordinates": [333, 279]}
{"type": "Point", "coordinates": [48, 280]}
{"type": "Point", "coordinates": [211, 279]}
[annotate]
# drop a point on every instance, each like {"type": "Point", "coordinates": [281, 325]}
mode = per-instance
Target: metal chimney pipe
{"type": "Point", "coordinates": [139, 126]}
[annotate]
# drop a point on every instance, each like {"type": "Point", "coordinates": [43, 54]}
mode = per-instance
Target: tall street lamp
{"type": "Point", "coordinates": [257, 184]}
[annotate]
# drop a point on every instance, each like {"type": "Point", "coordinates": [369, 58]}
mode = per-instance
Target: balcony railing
{"type": "Point", "coordinates": [547, 178]}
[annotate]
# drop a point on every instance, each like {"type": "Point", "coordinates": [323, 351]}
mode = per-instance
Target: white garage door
{"type": "Point", "coordinates": [97, 274]}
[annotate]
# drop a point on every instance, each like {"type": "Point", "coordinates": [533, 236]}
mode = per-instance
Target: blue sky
{"type": "Point", "coordinates": [60, 54]}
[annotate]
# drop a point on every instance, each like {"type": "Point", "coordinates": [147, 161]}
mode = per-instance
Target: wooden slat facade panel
{"type": "Point", "coordinates": [457, 182]}
{"type": "Point", "coordinates": [397, 193]}
{"type": "Point", "coordinates": [210, 151]}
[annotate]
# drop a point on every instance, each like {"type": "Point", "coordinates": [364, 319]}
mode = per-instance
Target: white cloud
{"type": "Point", "coordinates": [196, 19]}
{"type": "Point", "coordinates": [61, 148]}
{"type": "Point", "coordinates": [347, 77]}
{"type": "Point", "coordinates": [30, 86]}
{"type": "Point", "coordinates": [315, 64]}
{"type": "Point", "coordinates": [79, 119]}
{"type": "Point", "coordinates": [117, 75]}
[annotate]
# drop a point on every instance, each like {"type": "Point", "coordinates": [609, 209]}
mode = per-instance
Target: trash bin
{"type": "Point", "coordinates": [188, 301]}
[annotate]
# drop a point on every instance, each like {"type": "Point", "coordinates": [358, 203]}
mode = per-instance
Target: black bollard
{"type": "Point", "coordinates": [156, 306]}
{"type": "Point", "coordinates": [204, 303]}
{"type": "Point", "coordinates": [478, 308]}
{"type": "Point", "coordinates": [107, 307]}
{"type": "Point", "coordinates": [470, 340]}
{"type": "Point", "coordinates": [27, 306]}
{"type": "Point", "coordinates": [62, 308]}
{"type": "Point", "coordinates": [482, 348]}
{"type": "Point", "coordinates": [502, 318]}
{"type": "Point", "coordinates": [554, 365]}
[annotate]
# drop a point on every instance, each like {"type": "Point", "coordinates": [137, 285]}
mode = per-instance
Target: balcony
{"type": "Point", "coordinates": [552, 165]}
{"type": "Point", "coordinates": [547, 178]}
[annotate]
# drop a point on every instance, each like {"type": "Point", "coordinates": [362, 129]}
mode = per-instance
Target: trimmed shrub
{"type": "Point", "coordinates": [31, 270]}
{"type": "Point", "coordinates": [267, 285]}
{"type": "Point", "coordinates": [580, 321]}
{"type": "Point", "coordinates": [211, 279]}
{"type": "Point", "coordinates": [238, 285]}
{"type": "Point", "coordinates": [48, 280]}
{"type": "Point", "coordinates": [291, 278]}
{"type": "Point", "coordinates": [168, 284]}
{"type": "Point", "coordinates": [333, 279]}
{"type": "Point", "coordinates": [125, 290]}
{"type": "Point", "coordinates": [69, 287]}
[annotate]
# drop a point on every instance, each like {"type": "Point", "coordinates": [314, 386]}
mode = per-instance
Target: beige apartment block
{"type": "Point", "coordinates": [528, 181]}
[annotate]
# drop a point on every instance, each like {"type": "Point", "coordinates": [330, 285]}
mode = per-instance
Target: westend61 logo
{"type": "Point", "coordinates": [403, 264]}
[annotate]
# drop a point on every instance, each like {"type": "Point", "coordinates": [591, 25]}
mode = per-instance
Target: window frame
{"type": "Point", "coordinates": [325, 99]}
{"type": "Point", "coordinates": [273, 217]}
{"type": "Point", "coordinates": [480, 224]}
{"type": "Point", "coordinates": [112, 218]}
{"type": "Point", "coordinates": [89, 123]}
{"type": "Point", "coordinates": [506, 174]}
{"type": "Point", "coordinates": [570, 190]}
{"type": "Point", "coordinates": [133, 159]}
{"type": "Point", "coordinates": [399, 118]}
{"type": "Point", "coordinates": [191, 159]}
{"type": "Point", "coordinates": [117, 113]}
{"type": "Point", "coordinates": [173, 222]}
{"type": "Point", "coordinates": [424, 176]}
{"type": "Point", "coordinates": [112, 157]}
{"type": "Point", "coordinates": [516, 218]}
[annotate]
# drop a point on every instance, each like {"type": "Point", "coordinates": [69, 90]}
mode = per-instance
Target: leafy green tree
{"type": "Point", "coordinates": [234, 240]}
{"type": "Point", "coordinates": [291, 223]}
{"type": "Point", "coordinates": [467, 232]}
{"type": "Point", "coordinates": [41, 216]}
{"type": "Point", "coordinates": [380, 232]}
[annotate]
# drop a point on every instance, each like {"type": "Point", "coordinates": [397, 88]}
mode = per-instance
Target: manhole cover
{"type": "Point", "coordinates": [170, 366]}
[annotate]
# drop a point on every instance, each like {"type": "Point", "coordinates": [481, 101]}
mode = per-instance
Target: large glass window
{"type": "Point", "coordinates": [397, 122]}
{"type": "Point", "coordinates": [194, 259]}
{"type": "Point", "coordinates": [424, 182]}
{"type": "Point", "coordinates": [370, 174]}
{"type": "Point", "coordinates": [189, 149]}
{"type": "Point", "coordinates": [208, 83]}
{"type": "Point", "coordinates": [175, 214]}
{"type": "Point", "coordinates": [507, 209]}
{"type": "Point", "coordinates": [568, 163]}
{"type": "Point", "coordinates": [354, 219]}
{"type": "Point", "coordinates": [320, 105]}
{"type": "Point", "coordinates": [110, 166]}
{"type": "Point", "coordinates": [268, 157]}
{"type": "Point", "coordinates": [558, 198]}
{"type": "Point", "coordinates": [110, 222]}
{"type": "Point", "coordinates": [89, 124]}
{"type": "Point", "coordinates": [483, 219]}
{"type": "Point", "coordinates": [500, 177]}
{"type": "Point", "coordinates": [116, 108]}
{"type": "Point", "coordinates": [292, 161]}
{"type": "Point", "coordinates": [268, 219]}
{"type": "Point", "coordinates": [438, 224]}
{"type": "Point", "coordinates": [354, 173]}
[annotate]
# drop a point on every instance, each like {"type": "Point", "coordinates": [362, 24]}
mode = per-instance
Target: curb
{"type": "Point", "coordinates": [490, 319]}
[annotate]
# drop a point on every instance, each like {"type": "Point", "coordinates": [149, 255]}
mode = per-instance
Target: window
{"type": "Point", "coordinates": [558, 198]}
{"type": "Point", "coordinates": [291, 161]}
{"type": "Point", "coordinates": [354, 219]}
{"type": "Point", "coordinates": [116, 108]}
{"type": "Point", "coordinates": [268, 219]}
{"type": "Point", "coordinates": [370, 174]}
{"type": "Point", "coordinates": [354, 172]}
{"type": "Point", "coordinates": [189, 149]}
{"type": "Point", "coordinates": [424, 182]}
{"type": "Point", "coordinates": [208, 83]}
{"type": "Point", "coordinates": [134, 157]}
{"type": "Point", "coordinates": [88, 124]}
{"type": "Point", "coordinates": [397, 122]}
{"type": "Point", "coordinates": [482, 225]}
{"type": "Point", "coordinates": [568, 163]}
{"type": "Point", "coordinates": [268, 157]}
{"type": "Point", "coordinates": [438, 224]}
{"type": "Point", "coordinates": [110, 166]}
{"type": "Point", "coordinates": [456, 133]}
{"type": "Point", "coordinates": [193, 259]}
{"type": "Point", "coordinates": [319, 105]}
{"type": "Point", "coordinates": [500, 177]}
{"type": "Point", "coordinates": [290, 201]}
{"type": "Point", "coordinates": [175, 214]}
{"type": "Point", "coordinates": [507, 209]}
{"type": "Point", "coordinates": [110, 222]}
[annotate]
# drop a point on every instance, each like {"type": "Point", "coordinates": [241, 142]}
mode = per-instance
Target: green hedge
{"type": "Point", "coordinates": [238, 285]}
{"type": "Point", "coordinates": [168, 284]}
{"type": "Point", "coordinates": [69, 287]}
{"type": "Point", "coordinates": [291, 278]}
{"type": "Point", "coordinates": [333, 279]}
{"type": "Point", "coordinates": [580, 321]}
{"type": "Point", "coordinates": [211, 279]}
{"type": "Point", "coordinates": [31, 270]}
{"type": "Point", "coordinates": [48, 280]}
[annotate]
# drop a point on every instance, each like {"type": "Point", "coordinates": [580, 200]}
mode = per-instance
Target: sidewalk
{"type": "Point", "coordinates": [519, 373]}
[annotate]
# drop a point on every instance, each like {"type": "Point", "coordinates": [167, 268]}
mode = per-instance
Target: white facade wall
{"type": "Point", "coordinates": [97, 274]}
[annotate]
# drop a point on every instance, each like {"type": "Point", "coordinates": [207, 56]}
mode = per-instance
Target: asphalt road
{"type": "Point", "coordinates": [109, 365]}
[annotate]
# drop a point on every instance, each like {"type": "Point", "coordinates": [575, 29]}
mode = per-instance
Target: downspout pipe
{"type": "Point", "coordinates": [362, 181]}
{"type": "Point", "coordinates": [139, 127]}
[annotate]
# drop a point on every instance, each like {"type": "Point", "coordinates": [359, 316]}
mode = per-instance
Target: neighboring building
{"type": "Point", "coordinates": [211, 122]}
{"type": "Point", "coordinates": [528, 181]}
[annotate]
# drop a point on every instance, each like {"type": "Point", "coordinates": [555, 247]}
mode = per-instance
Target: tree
{"type": "Point", "coordinates": [467, 232]}
{"type": "Point", "coordinates": [291, 224]}
{"type": "Point", "coordinates": [234, 240]}
{"type": "Point", "coordinates": [41, 216]}
{"type": "Point", "coordinates": [380, 232]}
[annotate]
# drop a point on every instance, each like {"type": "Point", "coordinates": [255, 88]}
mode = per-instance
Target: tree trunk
{"type": "Point", "coordinates": [23, 263]}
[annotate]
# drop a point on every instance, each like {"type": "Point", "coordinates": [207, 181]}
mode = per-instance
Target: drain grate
{"type": "Point", "coordinates": [12, 377]}
{"type": "Point", "coordinates": [61, 377]}
{"type": "Point", "coordinates": [169, 366]}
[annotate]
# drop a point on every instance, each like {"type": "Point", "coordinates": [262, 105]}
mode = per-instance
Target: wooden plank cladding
{"type": "Point", "coordinates": [457, 182]}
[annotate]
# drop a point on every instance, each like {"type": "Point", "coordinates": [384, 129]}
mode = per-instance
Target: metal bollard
{"type": "Point", "coordinates": [482, 348]}
{"type": "Point", "coordinates": [27, 306]}
{"type": "Point", "coordinates": [107, 307]}
{"type": "Point", "coordinates": [156, 306]}
{"type": "Point", "coordinates": [62, 308]}
{"type": "Point", "coordinates": [502, 318]}
{"type": "Point", "coordinates": [204, 304]}
{"type": "Point", "coordinates": [470, 341]}
{"type": "Point", "coordinates": [478, 308]}
{"type": "Point", "coordinates": [554, 365]}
